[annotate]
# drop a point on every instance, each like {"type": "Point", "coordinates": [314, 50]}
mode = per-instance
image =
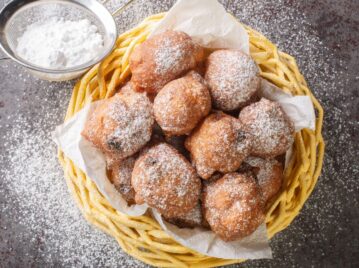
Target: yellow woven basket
{"type": "Point", "coordinates": [142, 237]}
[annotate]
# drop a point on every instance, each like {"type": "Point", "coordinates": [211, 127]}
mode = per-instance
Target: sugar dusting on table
{"type": "Point", "coordinates": [38, 202]}
{"type": "Point", "coordinates": [56, 231]}
{"type": "Point", "coordinates": [321, 219]}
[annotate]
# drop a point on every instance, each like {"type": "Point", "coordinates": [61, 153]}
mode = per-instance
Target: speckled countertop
{"type": "Point", "coordinates": [40, 225]}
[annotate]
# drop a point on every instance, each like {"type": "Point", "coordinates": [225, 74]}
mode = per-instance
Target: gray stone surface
{"type": "Point", "coordinates": [38, 229]}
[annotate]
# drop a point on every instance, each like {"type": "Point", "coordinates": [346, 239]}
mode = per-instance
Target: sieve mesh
{"type": "Point", "coordinates": [29, 12]}
{"type": "Point", "coordinates": [41, 12]}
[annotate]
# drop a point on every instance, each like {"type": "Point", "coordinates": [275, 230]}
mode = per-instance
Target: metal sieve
{"type": "Point", "coordinates": [16, 15]}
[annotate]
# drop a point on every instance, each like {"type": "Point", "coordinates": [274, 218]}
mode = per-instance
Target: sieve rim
{"type": "Point", "coordinates": [93, 6]}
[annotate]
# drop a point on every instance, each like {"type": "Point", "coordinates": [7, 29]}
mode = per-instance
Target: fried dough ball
{"type": "Point", "coordinates": [269, 174]}
{"type": "Point", "coordinates": [232, 77]}
{"type": "Point", "coordinates": [233, 206]}
{"type": "Point", "coordinates": [181, 104]}
{"type": "Point", "coordinates": [120, 177]}
{"type": "Point", "coordinates": [162, 58]}
{"type": "Point", "coordinates": [191, 219]}
{"type": "Point", "coordinates": [120, 126]}
{"type": "Point", "coordinates": [220, 143]}
{"type": "Point", "coordinates": [166, 181]}
{"type": "Point", "coordinates": [272, 130]}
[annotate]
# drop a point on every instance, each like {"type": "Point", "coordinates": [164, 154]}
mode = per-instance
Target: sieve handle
{"type": "Point", "coordinates": [4, 58]}
{"type": "Point", "coordinates": [120, 9]}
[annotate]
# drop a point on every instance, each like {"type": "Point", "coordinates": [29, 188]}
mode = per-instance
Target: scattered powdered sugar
{"type": "Point", "coordinates": [322, 37]}
{"type": "Point", "coordinates": [40, 220]}
{"type": "Point", "coordinates": [319, 232]}
{"type": "Point", "coordinates": [59, 43]}
{"type": "Point", "coordinates": [137, 11]}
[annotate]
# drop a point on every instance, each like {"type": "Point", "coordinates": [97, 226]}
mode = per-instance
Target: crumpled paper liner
{"type": "Point", "coordinates": [207, 22]}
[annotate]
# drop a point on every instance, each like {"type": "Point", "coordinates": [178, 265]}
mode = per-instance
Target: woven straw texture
{"type": "Point", "coordinates": [142, 237]}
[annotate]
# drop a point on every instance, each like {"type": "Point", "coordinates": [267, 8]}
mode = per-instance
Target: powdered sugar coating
{"type": "Point", "coordinates": [272, 130]}
{"type": "Point", "coordinates": [168, 54]}
{"type": "Point", "coordinates": [269, 175]}
{"type": "Point", "coordinates": [233, 206]}
{"type": "Point", "coordinates": [121, 125]}
{"type": "Point", "coordinates": [177, 142]}
{"type": "Point", "coordinates": [120, 177]}
{"type": "Point", "coordinates": [232, 77]}
{"type": "Point", "coordinates": [220, 143]}
{"type": "Point", "coordinates": [162, 58]}
{"type": "Point", "coordinates": [191, 219]}
{"type": "Point", "coordinates": [181, 104]}
{"type": "Point", "coordinates": [166, 181]}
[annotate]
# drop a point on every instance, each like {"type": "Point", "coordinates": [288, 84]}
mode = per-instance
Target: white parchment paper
{"type": "Point", "coordinates": [207, 22]}
{"type": "Point", "coordinates": [300, 109]}
{"type": "Point", "coordinates": [210, 26]}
